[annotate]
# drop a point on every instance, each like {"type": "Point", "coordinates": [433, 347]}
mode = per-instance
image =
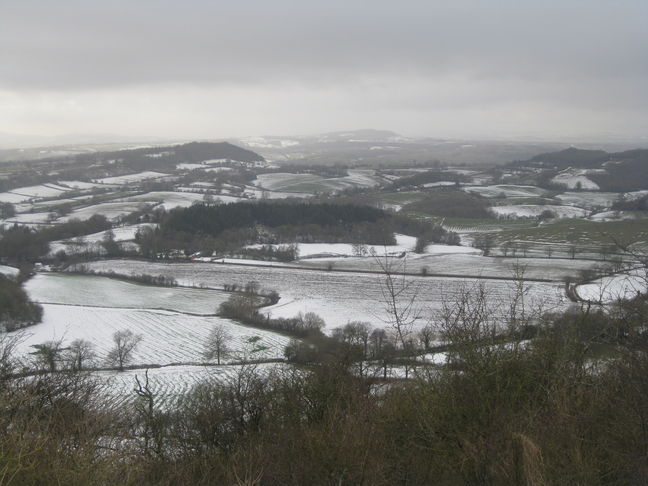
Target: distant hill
{"type": "Point", "coordinates": [363, 135]}
{"type": "Point", "coordinates": [563, 159]}
{"type": "Point", "coordinates": [616, 172]}
{"type": "Point", "coordinates": [152, 158]}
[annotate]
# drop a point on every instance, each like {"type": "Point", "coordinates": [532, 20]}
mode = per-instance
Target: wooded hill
{"type": "Point", "coordinates": [156, 158]}
{"type": "Point", "coordinates": [227, 227]}
{"type": "Point", "coordinates": [624, 171]}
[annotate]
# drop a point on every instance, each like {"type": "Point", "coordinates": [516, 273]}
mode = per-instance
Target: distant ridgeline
{"type": "Point", "coordinates": [619, 172]}
{"type": "Point", "coordinates": [227, 226]}
{"type": "Point", "coordinates": [168, 157]}
{"type": "Point", "coordinates": [97, 165]}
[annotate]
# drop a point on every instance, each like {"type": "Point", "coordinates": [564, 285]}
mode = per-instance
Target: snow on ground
{"type": "Point", "coordinates": [361, 177]}
{"type": "Point", "coordinates": [9, 271]}
{"type": "Point", "coordinates": [533, 211]}
{"type": "Point", "coordinates": [40, 191]}
{"type": "Point", "coordinates": [256, 193]}
{"type": "Point", "coordinates": [242, 261]}
{"type": "Point", "coordinates": [93, 242]}
{"type": "Point", "coordinates": [612, 288]}
{"type": "Point", "coordinates": [217, 169]}
{"type": "Point", "coordinates": [442, 250]}
{"type": "Point", "coordinates": [338, 297]}
{"type": "Point", "coordinates": [170, 383]}
{"type": "Point", "coordinates": [588, 200]}
{"type": "Point", "coordinates": [573, 178]}
{"type": "Point", "coordinates": [111, 210]}
{"type": "Point", "coordinates": [167, 336]}
{"type": "Point", "coordinates": [466, 264]}
{"type": "Point", "coordinates": [439, 184]}
{"type": "Point", "coordinates": [23, 194]}
{"type": "Point", "coordinates": [36, 205]}
{"type": "Point", "coordinates": [403, 244]}
{"type": "Point", "coordinates": [10, 197]}
{"type": "Point", "coordinates": [131, 178]}
{"type": "Point", "coordinates": [313, 250]}
{"type": "Point", "coordinates": [612, 216]}
{"type": "Point", "coordinates": [288, 182]}
{"type": "Point", "coordinates": [121, 233]}
{"type": "Point", "coordinates": [27, 218]}
{"type": "Point", "coordinates": [90, 290]}
{"type": "Point", "coordinates": [510, 191]}
{"type": "Point", "coordinates": [632, 196]}
{"type": "Point", "coordinates": [188, 166]}
{"type": "Point", "coordinates": [169, 199]}
{"type": "Point", "coordinates": [78, 185]}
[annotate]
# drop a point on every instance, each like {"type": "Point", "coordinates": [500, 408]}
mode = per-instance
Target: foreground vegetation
{"type": "Point", "coordinates": [554, 410]}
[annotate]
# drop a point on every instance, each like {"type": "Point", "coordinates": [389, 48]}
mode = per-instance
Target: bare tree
{"type": "Point", "coordinates": [150, 420]}
{"type": "Point", "coordinates": [484, 242]}
{"type": "Point", "coordinates": [399, 297]}
{"type": "Point", "coordinates": [79, 352]}
{"type": "Point", "coordinates": [217, 345]}
{"type": "Point", "coordinates": [426, 336]}
{"type": "Point", "coordinates": [572, 250]}
{"type": "Point", "coordinates": [311, 321]}
{"type": "Point", "coordinates": [126, 341]}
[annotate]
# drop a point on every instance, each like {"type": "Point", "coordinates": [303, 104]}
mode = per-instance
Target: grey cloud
{"type": "Point", "coordinates": [84, 45]}
{"type": "Point", "coordinates": [416, 65]}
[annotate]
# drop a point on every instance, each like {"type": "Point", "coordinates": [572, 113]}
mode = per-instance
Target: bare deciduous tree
{"type": "Point", "coordinates": [79, 352]}
{"type": "Point", "coordinates": [217, 345]}
{"type": "Point", "coordinates": [399, 297]}
{"type": "Point", "coordinates": [126, 341]}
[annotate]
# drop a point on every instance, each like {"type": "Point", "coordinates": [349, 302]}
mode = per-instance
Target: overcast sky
{"type": "Point", "coordinates": [215, 69]}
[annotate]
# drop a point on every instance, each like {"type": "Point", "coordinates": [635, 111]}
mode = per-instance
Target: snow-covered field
{"type": "Point", "coordinates": [440, 261]}
{"type": "Point", "coordinates": [121, 233]}
{"type": "Point", "coordinates": [9, 271]}
{"type": "Point", "coordinates": [131, 178]}
{"type": "Point", "coordinates": [169, 199]}
{"type": "Point", "coordinates": [404, 243]}
{"type": "Point", "coordinates": [288, 182]}
{"type": "Point", "coordinates": [534, 210]}
{"type": "Point", "coordinates": [90, 290]}
{"type": "Point", "coordinates": [29, 218]}
{"type": "Point", "coordinates": [10, 197]}
{"type": "Point", "coordinates": [92, 242]}
{"type": "Point", "coordinates": [588, 200]}
{"type": "Point", "coordinates": [170, 383]}
{"type": "Point", "coordinates": [612, 216]}
{"type": "Point", "coordinates": [168, 319]}
{"type": "Point", "coordinates": [167, 336]}
{"type": "Point", "coordinates": [23, 194]}
{"type": "Point", "coordinates": [111, 210]}
{"type": "Point", "coordinates": [336, 297]}
{"type": "Point", "coordinates": [575, 178]}
{"type": "Point", "coordinates": [78, 185]}
{"type": "Point", "coordinates": [615, 287]}
{"type": "Point", "coordinates": [510, 191]}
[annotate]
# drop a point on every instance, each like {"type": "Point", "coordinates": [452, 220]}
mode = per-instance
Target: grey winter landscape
{"type": "Point", "coordinates": [212, 272]}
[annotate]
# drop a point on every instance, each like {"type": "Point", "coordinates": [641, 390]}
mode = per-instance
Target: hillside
{"type": "Point", "coordinates": [612, 172]}
{"type": "Point", "coordinates": [152, 158]}
{"type": "Point", "coordinates": [563, 159]}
